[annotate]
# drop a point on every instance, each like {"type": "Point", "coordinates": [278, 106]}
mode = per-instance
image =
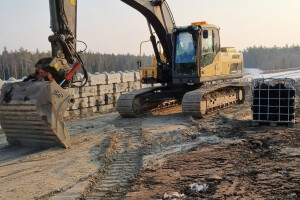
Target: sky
{"type": "Point", "coordinates": [110, 26]}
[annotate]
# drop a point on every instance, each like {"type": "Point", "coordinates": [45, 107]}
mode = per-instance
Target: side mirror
{"type": "Point", "coordinates": [205, 34]}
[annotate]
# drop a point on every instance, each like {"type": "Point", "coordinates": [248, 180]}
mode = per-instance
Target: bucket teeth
{"type": "Point", "coordinates": [31, 114]}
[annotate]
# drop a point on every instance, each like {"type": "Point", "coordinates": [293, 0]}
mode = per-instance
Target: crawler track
{"type": "Point", "coordinates": [212, 97]}
{"type": "Point", "coordinates": [125, 164]}
{"type": "Point", "coordinates": [131, 104]}
{"type": "Point", "coordinates": [197, 103]}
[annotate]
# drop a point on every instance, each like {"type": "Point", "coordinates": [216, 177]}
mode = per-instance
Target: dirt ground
{"type": "Point", "coordinates": [172, 151]}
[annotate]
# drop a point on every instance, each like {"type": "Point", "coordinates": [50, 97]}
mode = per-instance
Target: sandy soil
{"type": "Point", "coordinates": [239, 162]}
{"type": "Point", "coordinates": [223, 150]}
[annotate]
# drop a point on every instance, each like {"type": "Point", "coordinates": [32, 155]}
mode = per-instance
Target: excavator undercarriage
{"type": "Point", "coordinates": [197, 102]}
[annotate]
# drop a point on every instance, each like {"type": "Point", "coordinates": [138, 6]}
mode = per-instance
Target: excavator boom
{"type": "Point", "coordinates": [159, 15]}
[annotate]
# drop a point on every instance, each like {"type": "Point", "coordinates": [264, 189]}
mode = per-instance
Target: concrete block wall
{"type": "Point", "coordinates": [101, 93]}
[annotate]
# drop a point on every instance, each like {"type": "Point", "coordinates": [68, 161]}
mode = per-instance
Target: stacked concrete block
{"type": "Point", "coordinates": [105, 89]}
{"type": "Point", "coordinates": [74, 92]}
{"type": "Point", "coordinates": [137, 76]}
{"type": "Point", "coordinates": [97, 101]}
{"type": "Point", "coordinates": [88, 91]}
{"type": "Point", "coordinates": [120, 87]}
{"type": "Point", "coordinates": [101, 93]}
{"type": "Point", "coordinates": [113, 78]}
{"type": "Point", "coordinates": [79, 77]}
{"type": "Point", "coordinates": [97, 79]}
{"type": "Point", "coordinates": [117, 96]}
{"type": "Point", "coordinates": [132, 86]}
{"type": "Point", "coordinates": [127, 76]}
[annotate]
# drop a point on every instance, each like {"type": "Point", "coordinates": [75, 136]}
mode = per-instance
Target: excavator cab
{"type": "Point", "coordinates": [198, 56]}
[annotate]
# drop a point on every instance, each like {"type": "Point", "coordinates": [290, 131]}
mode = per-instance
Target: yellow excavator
{"type": "Point", "coordinates": [192, 57]}
{"type": "Point", "coordinates": [31, 112]}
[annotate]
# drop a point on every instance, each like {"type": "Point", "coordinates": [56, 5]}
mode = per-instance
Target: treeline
{"type": "Point", "coordinates": [97, 62]}
{"type": "Point", "coordinates": [272, 58]}
{"type": "Point", "coordinates": [19, 63]}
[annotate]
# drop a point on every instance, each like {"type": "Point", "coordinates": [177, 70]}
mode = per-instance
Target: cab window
{"type": "Point", "coordinates": [186, 53]}
{"type": "Point", "coordinates": [207, 43]}
{"type": "Point", "coordinates": [217, 46]}
{"type": "Point", "coordinates": [207, 49]}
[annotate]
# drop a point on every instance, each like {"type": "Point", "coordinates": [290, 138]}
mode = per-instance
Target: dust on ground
{"type": "Point", "coordinates": [223, 150]}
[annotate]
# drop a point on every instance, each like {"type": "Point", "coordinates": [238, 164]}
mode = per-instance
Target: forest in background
{"type": "Point", "coordinates": [272, 58]}
{"type": "Point", "coordinates": [19, 63]}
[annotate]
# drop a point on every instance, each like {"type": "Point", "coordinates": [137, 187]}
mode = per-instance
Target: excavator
{"type": "Point", "coordinates": [31, 111]}
{"type": "Point", "coordinates": [192, 58]}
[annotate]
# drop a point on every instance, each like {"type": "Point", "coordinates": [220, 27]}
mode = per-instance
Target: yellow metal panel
{"type": "Point", "coordinates": [149, 72]}
{"type": "Point", "coordinates": [73, 2]}
{"type": "Point", "coordinates": [224, 63]}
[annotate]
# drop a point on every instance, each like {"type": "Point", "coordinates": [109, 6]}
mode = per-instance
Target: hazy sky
{"type": "Point", "coordinates": [110, 26]}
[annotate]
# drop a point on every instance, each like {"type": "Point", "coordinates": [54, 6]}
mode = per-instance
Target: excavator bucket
{"type": "Point", "coordinates": [31, 114]}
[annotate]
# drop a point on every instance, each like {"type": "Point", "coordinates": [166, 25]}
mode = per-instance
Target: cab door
{"type": "Point", "coordinates": [217, 48]}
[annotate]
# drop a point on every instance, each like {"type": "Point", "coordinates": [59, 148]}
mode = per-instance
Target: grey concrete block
{"type": "Point", "coordinates": [137, 76]}
{"type": "Point", "coordinates": [106, 108]}
{"type": "Point", "coordinates": [109, 99]}
{"type": "Point", "coordinates": [74, 114]}
{"type": "Point", "coordinates": [127, 77]}
{"type": "Point", "coordinates": [95, 109]}
{"type": "Point", "coordinates": [74, 92]}
{"type": "Point", "coordinates": [80, 103]}
{"type": "Point", "coordinates": [105, 89]}
{"type": "Point", "coordinates": [88, 91]}
{"type": "Point", "coordinates": [132, 86]}
{"type": "Point", "coordinates": [117, 96]}
{"type": "Point", "coordinates": [120, 87]}
{"type": "Point", "coordinates": [97, 79]}
{"type": "Point", "coordinates": [113, 78]}
{"type": "Point", "coordinates": [79, 77]}
{"type": "Point", "coordinates": [96, 101]}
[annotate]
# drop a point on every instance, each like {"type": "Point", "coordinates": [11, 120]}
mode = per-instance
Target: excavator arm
{"type": "Point", "coordinates": [159, 16]}
{"type": "Point", "coordinates": [31, 112]}
{"type": "Point", "coordinates": [63, 15]}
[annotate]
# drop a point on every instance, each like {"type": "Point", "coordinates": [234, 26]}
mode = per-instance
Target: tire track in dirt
{"type": "Point", "coordinates": [123, 160]}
